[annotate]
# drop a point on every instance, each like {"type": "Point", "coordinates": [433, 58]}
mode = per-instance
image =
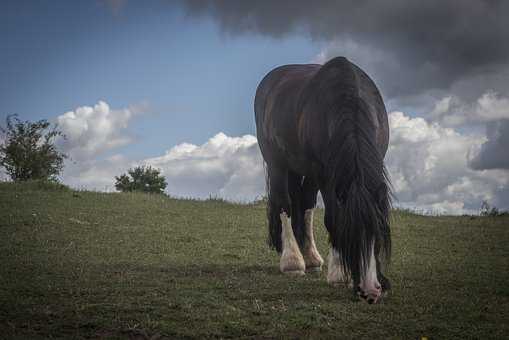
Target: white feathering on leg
{"type": "Point", "coordinates": [370, 285]}
{"type": "Point", "coordinates": [312, 257]}
{"type": "Point", "coordinates": [291, 261]}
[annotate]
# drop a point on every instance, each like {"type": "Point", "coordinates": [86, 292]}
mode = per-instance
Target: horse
{"type": "Point", "coordinates": [325, 128]}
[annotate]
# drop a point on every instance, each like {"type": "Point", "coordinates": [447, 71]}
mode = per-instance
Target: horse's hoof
{"type": "Point", "coordinates": [292, 262]}
{"type": "Point", "coordinates": [313, 269]}
{"type": "Point", "coordinates": [370, 297]}
{"type": "Point", "coordinates": [294, 272]}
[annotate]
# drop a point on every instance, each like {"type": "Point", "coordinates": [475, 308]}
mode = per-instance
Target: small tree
{"type": "Point", "coordinates": [28, 151]}
{"type": "Point", "coordinates": [141, 178]}
{"type": "Point", "coordinates": [488, 210]}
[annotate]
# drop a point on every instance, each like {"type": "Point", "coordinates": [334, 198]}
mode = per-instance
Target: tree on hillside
{"type": "Point", "coordinates": [141, 178]}
{"type": "Point", "coordinates": [488, 210]}
{"type": "Point", "coordinates": [28, 151]}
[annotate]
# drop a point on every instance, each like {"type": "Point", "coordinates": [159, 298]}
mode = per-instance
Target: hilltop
{"type": "Point", "coordinates": [78, 264]}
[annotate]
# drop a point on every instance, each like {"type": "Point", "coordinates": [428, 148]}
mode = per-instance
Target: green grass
{"type": "Point", "coordinates": [85, 264]}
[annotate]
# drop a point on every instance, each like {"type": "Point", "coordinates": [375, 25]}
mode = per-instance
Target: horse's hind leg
{"type": "Point", "coordinates": [312, 257]}
{"type": "Point", "coordinates": [303, 193]}
{"type": "Point", "coordinates": [291, 261]}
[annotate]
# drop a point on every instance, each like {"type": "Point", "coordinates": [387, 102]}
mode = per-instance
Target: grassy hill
{"type": "Point", "coordinates": [85, 264]}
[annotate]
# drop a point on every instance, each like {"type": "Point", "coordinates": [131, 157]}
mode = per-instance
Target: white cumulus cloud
{"type": "Point", "coordinates": [428, 164]}
{"type": "Point", "coordinates": [489, 107]}
{"type": "Point", "coordinates": [95, 174]}
{"type": "Point", "coordinates": [490, 110]}
{"type": "Point", "coordinates": [91, 130]}
{"type": "Point", "coordinates": [428, 161]}
{"type": "Point", "coordinates": [229, 167]}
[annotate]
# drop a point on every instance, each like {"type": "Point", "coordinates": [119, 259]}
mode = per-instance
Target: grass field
{"type": "Point", "coordinates": [94, 265]}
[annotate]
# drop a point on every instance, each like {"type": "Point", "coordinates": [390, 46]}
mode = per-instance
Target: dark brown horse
{"type": "Point", "coordinates": [324, 128]}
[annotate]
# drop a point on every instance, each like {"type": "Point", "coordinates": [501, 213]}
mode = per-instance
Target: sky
{"type": "Point", "coordinates": [171, 84]}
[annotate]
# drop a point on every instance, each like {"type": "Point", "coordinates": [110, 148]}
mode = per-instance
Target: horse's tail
{"type": "Point", "coordinates": [273, 216]}
{"type": "Point", "coordinates": [360, 194]}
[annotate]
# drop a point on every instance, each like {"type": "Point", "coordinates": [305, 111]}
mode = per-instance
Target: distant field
{"type": "Point", "coordinates": [84, 264]}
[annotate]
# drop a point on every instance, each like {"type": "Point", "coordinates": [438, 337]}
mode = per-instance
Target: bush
{"type": "Point", "coordinates": [28, 151]}
{"type": "Point", "coordinates": [487, 210]}
{"type": "Point", "coordinates": [141, 178]}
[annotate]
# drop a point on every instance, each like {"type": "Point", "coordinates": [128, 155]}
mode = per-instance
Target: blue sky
{"type": "Point", "coordinates": [192, 79]}
{"type": "Point", "coordinates": [171, 84]}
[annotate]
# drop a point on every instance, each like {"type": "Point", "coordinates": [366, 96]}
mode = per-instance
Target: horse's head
{"type": "Point", "coordinates": [368, 286]}
{"type": "Point", "coordinates": [361, 237]}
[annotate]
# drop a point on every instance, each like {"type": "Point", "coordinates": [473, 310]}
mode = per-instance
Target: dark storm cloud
{"type": "Point", "coordinates": [494, 153]}
{"type": "Point", "coordinates": [433, 43]}
{"type": "Point", "coordinates": [416, 51]}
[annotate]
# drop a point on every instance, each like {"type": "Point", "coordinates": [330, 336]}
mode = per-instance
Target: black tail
{"type": "Point", "coordinates": [358, 207]}
{"type": "Point", "coordinates": [273, 217]}
{"type": "Point", "coordinates": [296, 192]}
{"type": "Point", "coordinates": [275, 226]}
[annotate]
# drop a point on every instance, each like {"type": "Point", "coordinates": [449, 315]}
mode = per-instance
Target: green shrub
{"type": "Point", "coordinates": [28, 151]}
{"type": "Point", "coordinates": [142, 179]}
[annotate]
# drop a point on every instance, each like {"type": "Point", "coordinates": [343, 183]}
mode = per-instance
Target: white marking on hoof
{"type": "Point", "coordinates": [291, 261]}
{"type": "Point", "coordinates": [370, 288]}
{"type": "Point", "coordinates": [335, 272]}
{"type": "Point", "coordinates": [312, 257]}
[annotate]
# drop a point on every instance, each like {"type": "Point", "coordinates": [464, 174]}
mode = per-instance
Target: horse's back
{"type": "Point", "coordinates": [289, 75]}
{"type": "Point", "coordinates": [288, 80]}
{"type": "Point", "coordinates": [276, 103]}
{"type": "Point", "coordinates": [293, 98]}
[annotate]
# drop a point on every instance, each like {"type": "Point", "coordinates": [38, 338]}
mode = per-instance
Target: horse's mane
{"type": "Point", "coordinates": [358, 186]}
